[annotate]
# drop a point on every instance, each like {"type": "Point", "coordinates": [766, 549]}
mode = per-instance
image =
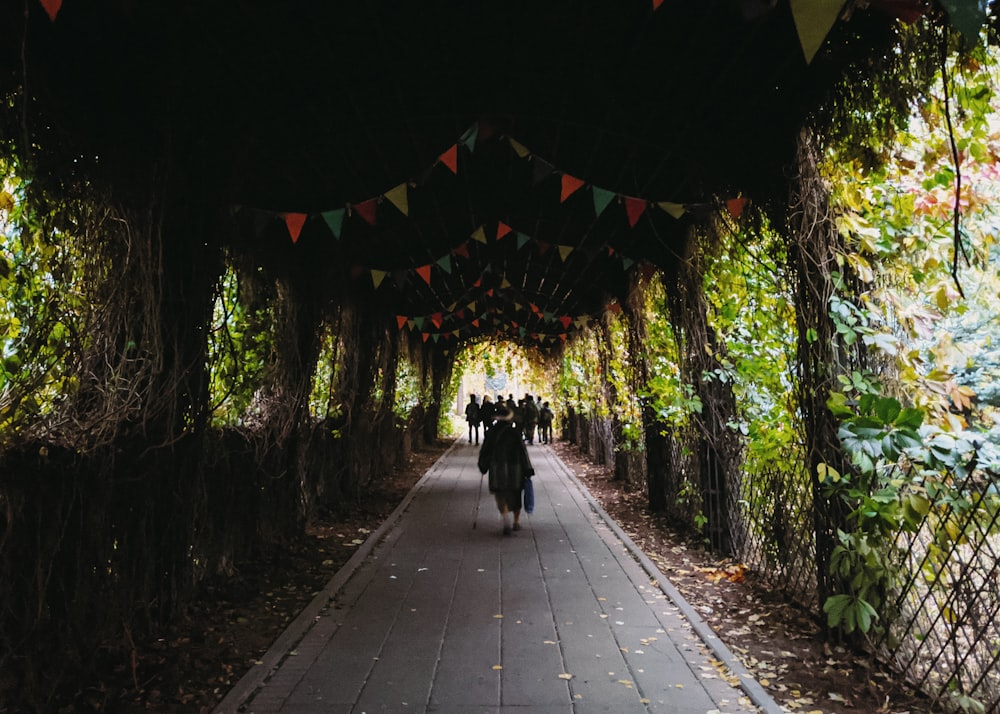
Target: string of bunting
{"type": "Point", "coordinates": [398, 196]}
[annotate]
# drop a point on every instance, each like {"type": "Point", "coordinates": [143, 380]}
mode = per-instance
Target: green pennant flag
{"type": "Point", "coordinates": [549, 316]}
{"type": "Point", "coordinates": [967, 16]}
{"type": "Point", "coordinates": [522, 240]}
{"type": "Point", "coordinates": [444, 262]}
{"type": "Point", "coordinates": [813, 21]}
{"type": "Point", "coordinates": [602, 197]}
{"type": "Point", "coordinates": [419, 322]}
{"type": "Point", "coordinates": [335, 220]}
{"type": "Point", "coordinates": [470, 136]}
{"type": "Point", "coordinates": [627, 263]}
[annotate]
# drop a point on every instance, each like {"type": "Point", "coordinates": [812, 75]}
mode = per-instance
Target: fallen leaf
{"type": "Point", "coordinates": [565, 675]}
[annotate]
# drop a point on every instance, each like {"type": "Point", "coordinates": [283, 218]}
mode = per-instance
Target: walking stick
{"type": "Point", "coordinates": [479, 497]}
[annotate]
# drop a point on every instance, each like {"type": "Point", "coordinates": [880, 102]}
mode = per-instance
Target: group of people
{"type": "Point", "coordinates": [508, 427]}
{"type": "Point", "coordinates": [529, 417]}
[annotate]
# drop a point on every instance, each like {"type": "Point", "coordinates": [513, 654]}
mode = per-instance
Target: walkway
{"type": "Point", "coordinates": [439, 612]}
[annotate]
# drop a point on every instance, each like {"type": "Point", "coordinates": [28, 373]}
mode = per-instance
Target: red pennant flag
{"type": "Point", "coordinates": [736, 206]}
{"type": "Point", "coordinates": [424, 271]}
{"type": "Point", "coordinates": [562, 336]}
{"type": "Point", "coordinates": [634, 207]}
{"type": "Point", "coordinates": [490, 292]}
{"type": "Point", "coordinates": [478, 282]}
{"type": "Point", "coordinates": [611, 251]}
{"type": "Point", "coordinates": [425, 335]}
{"type": "Point", "coordinates": [475, 323]}
{"type": "Point", "coordinates": [502, 229]}
{"type": "Point", "coordinates": [51, 8]}
{"type": "Point", "coordinates": [656, 4]}
{"type": "Point", "coordinates": [450, 158]}
{"type": "Point", "coordinates": [462, 250]}
{"type": "Point", "coordinates": [437, 318]}
{"type": "Point", "coordinates": [366, 210]}
{"type": "Point", "coordinates": [294, 221]}
{"type": "Point", "coordinates": [570, 184]}
{"type": "Point", "coordinates": [566, 321]}
{"type": "Point", "coordinates": [513, 324]}
{"type": "Point", "coordinates": [543, 247]}
{"type": "Point", "coordinates": [401, 320]}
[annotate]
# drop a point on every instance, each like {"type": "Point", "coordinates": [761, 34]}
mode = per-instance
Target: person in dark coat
{"type": "Point", "coordinates": [505, 457]}
{"type": "Point", "coordinates": [472, 416]}
{"type": "Point", "coordinates": [486, 413]}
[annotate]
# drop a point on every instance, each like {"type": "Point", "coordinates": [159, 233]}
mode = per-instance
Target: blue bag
{"type": "Point", "coordinates": [529, 496]}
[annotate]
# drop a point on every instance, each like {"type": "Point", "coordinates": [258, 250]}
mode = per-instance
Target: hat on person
{"type": "Point", "coordinates": [503, 413]}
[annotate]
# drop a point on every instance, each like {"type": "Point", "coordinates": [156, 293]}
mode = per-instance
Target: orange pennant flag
{"type": "Point", "coordinates": [450, 158]}
{"type": "Point", "coordinates": [294, 221]}
{"type": "Point", "coordinates": [562, 336]}
{"type": "Point", "coordinates": [634, 207]}
{"type": "Point", "coordinates": [502, 229]}
{"type": "Point", "coordinates": [570, 184]}
{"type": "Point", "coordinates": [736, 206]}
{"type": "Point", "coordinates": [424, 271]}
{"type": "Point", "coordinates": [366, 210]}
{"type": "Point", "coordinates": [426, 336]}
{"type": "Point", "coordinates": [52, 8]}
{"type": "Point", "coordinates": [401, 321]}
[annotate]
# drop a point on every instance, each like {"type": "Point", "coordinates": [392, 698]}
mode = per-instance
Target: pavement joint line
{"type": "Point", "coordinates": [753, 689]}
{"type": "Point", "coordinates": [286, 642]}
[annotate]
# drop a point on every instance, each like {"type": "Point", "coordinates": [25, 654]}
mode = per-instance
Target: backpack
{"type": "Point", "coordinates": [472, 412]}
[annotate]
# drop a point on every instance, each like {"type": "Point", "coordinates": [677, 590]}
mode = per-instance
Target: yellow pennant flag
{"type": "Point", "coordinates": [564, 251]}
{"type": "Point", "coordinates": [399, 197]}
{"type": "Point", "coordinates": [813, 20]}
{"type": "Point", "coordinates": [674, 209]}
{"type": "Point", "coordinates": [520, 148]}
{"type": "Point", "coordinates": [377, 277]}
{"type": "Point", "coordinates": [479, 235]}
{"type": "Point", "coordinates": [505, 283]}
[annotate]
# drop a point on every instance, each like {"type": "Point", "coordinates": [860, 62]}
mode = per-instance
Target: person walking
{"type": "Point", "coordinates": [486, 414]}
{"type": "Point", "coordinates": [545, 419]}
{"type": "Point", "coordinates": [505, 458]}
{"type": "Point", "coordinates": [472, 416]}
{"type": "Point", "coordinates": [530, 410]}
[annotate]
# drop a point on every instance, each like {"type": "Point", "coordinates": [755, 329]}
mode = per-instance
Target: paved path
{"type": "Point", "coordinates": [439, 612]}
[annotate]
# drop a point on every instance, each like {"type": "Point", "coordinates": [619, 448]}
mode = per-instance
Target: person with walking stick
{"type": "Point", "coordinates": [504, 456]}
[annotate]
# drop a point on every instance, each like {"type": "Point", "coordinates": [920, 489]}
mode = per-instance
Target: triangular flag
{"type": "Point", "coordinates": [399, 197]}
{"type": "Point", "coordinates": [813, 20]}
{"type": "Point", "coordinates": [564, 251]}
{"type": "Point", "coordinates": [522, 240]}
{"type": "Point", "coordinates": [479, 235]}
{"type": "Point", "coordinates": [541, 170]}
{"type": "Point", "coordinates": [411, 323]}
{"type": "Point", "coordinates": [627, 263]}
{"type": "Point", "coordinates": [444, 262]}
{"type": "Point", "coordinates": [475, 323]}
{"type": "Point", "coordinates": [674, 209]}
{"type": "Point", "coordinates": [502, 229]}
{"type": "Point", "coordinates": [548, 316]}
{"type": "Point", "coordinates": [634, 207]}
{"type": "Point", "coordinates": [490, 292]}
{"type": "Point", "coordinates": [437, 318]}
{"type": "Point", "coordinates": [294, 222]}
{"type": "Point", "coordinates": [656, 4]}
{"type": "Point", "coordinates": [520, 149]}
{"type": "Point", "coordinates": [566, 321]}
{"type": "Point", "coordinates": [736, 206]}
{"type": "Point", "coordinates": [570, 184]}
{"type": "Point", "coordinates": [401, 320]}
{"type": "Point", "coordinates": [562, 336]}
{"type": "Point", "coordinates": [378, 276]}
{"type": "Point", "coordinates": [366, 209]}
{"type": "Point", "coordinates": [424, 271]}
{"type": "Point", "coordinates": [450, 158]}
{"type": "Point", "coordinates": [468, 139]}
{"type": "Point", "coordinates": [543, 247]}
{"type": "Point", "coordinates": [335, 220]}
{"type": "Point", "coordinates": [504, 284]}
{"type": "Point", "coordinates": [462, 250]}
{"type": "Point", "coordinates": [426, 336]}
{"type": "Point", "coordinates": [419, 322]}
{"type": "Point", "coordinates": [602, 197]}
{"type": "Point", "coordinates": [51, 8]}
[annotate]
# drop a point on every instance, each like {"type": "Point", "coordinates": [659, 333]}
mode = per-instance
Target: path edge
{"type": "Point", "coordinates": [250, 682]}
{"type": "Point", "coordinates": [753, 689]}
